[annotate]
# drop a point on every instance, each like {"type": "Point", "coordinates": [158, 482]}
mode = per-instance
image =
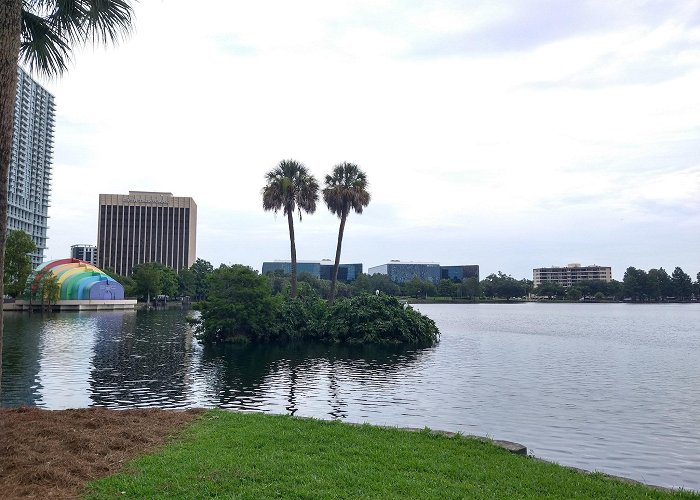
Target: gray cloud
{"type": "Point", "coordinates": [536, 23]}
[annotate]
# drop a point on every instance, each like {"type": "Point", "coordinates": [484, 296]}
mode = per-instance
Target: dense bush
{"type": "Point", "coordinates": [240, 307]}
{"type": "Point", "coordinates": [370, 319]}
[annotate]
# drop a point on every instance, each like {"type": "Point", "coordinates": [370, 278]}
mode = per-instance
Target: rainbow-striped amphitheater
{"type": "Point", "coordinates": [79, 280]}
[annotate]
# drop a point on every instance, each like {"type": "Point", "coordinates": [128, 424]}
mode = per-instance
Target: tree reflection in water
{"type": "Point", "coordinates": [285, 378]}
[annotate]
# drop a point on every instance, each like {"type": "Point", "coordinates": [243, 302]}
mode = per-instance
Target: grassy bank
{"type": "Point", "coordinates": [233, 455]}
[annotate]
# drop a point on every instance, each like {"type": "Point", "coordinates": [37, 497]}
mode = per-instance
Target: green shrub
{"type": "Point", "coordinates": [240, 308]}
{"type": "Point", "coordinates": [370, 319]}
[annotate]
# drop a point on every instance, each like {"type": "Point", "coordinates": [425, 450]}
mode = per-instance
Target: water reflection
{"type": "Point", "coordinates": [297, 378]}
{"type": "Point", "coordinates": [141, 360]}
{"type": "Point", "coordinates": [20, 362]}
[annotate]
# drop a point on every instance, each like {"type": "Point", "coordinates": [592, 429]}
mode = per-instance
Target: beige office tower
{"type": "Point", "coordinates": [143, 227]}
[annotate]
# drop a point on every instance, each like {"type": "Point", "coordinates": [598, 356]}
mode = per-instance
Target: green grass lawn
{"type": "Point", "coordinates": [235, 455]}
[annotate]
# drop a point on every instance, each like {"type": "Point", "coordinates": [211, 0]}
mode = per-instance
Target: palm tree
{"type": "Point", "coordinates": [290, 187]}
{"type": "Point", "coordinates": [42, 33]}
{"type": "Point", "coordinates": [346, 190]}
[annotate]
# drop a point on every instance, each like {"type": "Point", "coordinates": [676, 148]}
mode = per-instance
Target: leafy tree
{"type": "Point", "coordinates": [201, 269]}
{"type": "Point", "coordinates": [345, 191]}
{"type": "Point", "coordinates": [502, 285]}
{"type": "Point", "coordinates": [290, 187]}
{"type": "Point", "coordinates": [239, 307]}
{"type": "Point", "coordinates": [186, 282]}
{"type": "Point", "coordinates": [445, 288]}
{"type": "Point", "coordinates": [635, 284]}
{"type": "Point", "coordinates": [383, 283]}
{"type": "Point", "coordinates": [419, 288]}
{"type": "Point", "coordinates": [50, 290]}
{"type": "Point", "coordinates": [470, 287]}
{"type": "Point", "coordinates": [18, 264]}
{"type": "Point", "coordinates": [574, 293]}
{"type": "Point", "coordinates": [170, 281]}
{"type": "Point", "coordinates": [550, 289]}
{"type": "Point", "coordinates": [149, 279]}
{"type": "Point", "coordinates": [43, 34]}
{"type": "Point", "coordinates": [659, 285]}
{"type": "Point", "coordinates": [682, 284]}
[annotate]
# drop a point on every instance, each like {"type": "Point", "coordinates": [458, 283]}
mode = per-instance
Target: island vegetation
{"type": "Point", "coordinates": [241, 307]}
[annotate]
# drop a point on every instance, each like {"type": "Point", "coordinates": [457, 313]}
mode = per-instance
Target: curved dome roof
{"type": "Point", "coordinates": [79, 280]}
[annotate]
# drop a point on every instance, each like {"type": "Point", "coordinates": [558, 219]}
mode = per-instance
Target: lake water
{"type": "Point", "coordinates": [611, 387]}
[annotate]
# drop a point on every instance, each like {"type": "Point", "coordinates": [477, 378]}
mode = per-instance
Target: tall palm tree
{"type": "Point", "coordinates": [290, 187]}
{"type": "Point", "coordinates": [346, 190]}
{"type": "Point", "coordinates": [43, 33]}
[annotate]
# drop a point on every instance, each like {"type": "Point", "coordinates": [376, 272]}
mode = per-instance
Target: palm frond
{"type": "Point", "coordinates": [42, 48]}
{"type": "Point", "coordinates": [50, 28]}
{"type": "Point", "coordinates": [107, 21]}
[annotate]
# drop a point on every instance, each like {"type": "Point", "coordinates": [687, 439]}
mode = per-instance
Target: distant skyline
{"type": "Point", "coordinates": [514, 135]}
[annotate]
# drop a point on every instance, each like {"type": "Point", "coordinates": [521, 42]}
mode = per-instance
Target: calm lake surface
{"type": "Point", "coordinates": [611, 387]}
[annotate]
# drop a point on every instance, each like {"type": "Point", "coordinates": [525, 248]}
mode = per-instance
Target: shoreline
{"type": "Point", "coordinates": [123, 429]}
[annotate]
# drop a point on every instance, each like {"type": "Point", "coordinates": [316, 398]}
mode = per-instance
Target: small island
{"type": "Point", "coordinates": [241, 308]}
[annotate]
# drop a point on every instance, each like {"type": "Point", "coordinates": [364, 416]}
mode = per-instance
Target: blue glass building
{"type": "Point", "coordinates": [459, 273]}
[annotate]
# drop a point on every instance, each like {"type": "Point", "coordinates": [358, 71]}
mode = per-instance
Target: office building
{"type": "Point", "coordinates": [571, 274]}
{"type": "Point", "coordinates": [346, 272]}
{"type": "Point", "coordinates": [86, 253]}
{"type": "Point", "coordinates": [459, 273]}
{"type": "Point", "coordinates": [322, 270]}
{"type": "Point", "coordinates": [403, 272]}
{"type": "Point", "coordinates": [145, 226]}
{"type": "Point", "coordinates": [303, 266]}
{"type": "Point", "coordinates": [29, 187]}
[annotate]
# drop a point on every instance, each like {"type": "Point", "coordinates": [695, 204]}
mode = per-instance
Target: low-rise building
{"type": "Point", "coordinates": [459, 273]}
{"type": "Point", "coordinates": [319, 269]}
{"type": "Point", "coordinates": [571, 274]}
{"type": "Point", "coordinates": [403, 272]}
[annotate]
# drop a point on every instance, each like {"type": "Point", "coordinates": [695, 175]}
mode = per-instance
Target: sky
{"type": "Point", "coordinates": [512, 135]}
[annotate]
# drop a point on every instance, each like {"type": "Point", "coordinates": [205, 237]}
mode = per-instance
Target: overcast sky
{"type": "Point", "coordinates": [512, 134]}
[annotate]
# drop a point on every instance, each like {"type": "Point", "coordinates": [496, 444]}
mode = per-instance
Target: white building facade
{"type": "Point", "coordinates": [29, 187]}
{"type": "Point", "coordinates": [571, 274]}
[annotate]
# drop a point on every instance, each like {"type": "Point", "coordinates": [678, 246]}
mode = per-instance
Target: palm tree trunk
{"type": "Point", "coordinates": [10, 19]}
{"type": "Point", "coordinates": [290, 221]}
{"type": "Point", "coordinates": [334, 281]}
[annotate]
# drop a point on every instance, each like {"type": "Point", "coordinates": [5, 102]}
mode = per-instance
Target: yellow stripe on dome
{"type": "Point", "coordinates": [68, 270]}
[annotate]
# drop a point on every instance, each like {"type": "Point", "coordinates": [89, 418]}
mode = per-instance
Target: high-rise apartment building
{"type": "Point", "coordinates": [30, 162]}
{"type": "Point", "coordinates": [571, 274]}
{"type": "Point", "coordinates": [145, 226]}
{"type": "Point", "coordinates": [87, 253]}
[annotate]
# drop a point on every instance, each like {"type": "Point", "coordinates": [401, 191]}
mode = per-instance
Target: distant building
{"type": "Point", "coordinates": [459, 273]}
{"type": "Point", "coordinates": [402, 272]}
{"type": "Point", "coordinates": [319, 269]}
{"type": "Point", "coordinates": [346, 272]}
{"type": "Point", "coordinates": [29, 185]}
{"type": "Point", "coordinates": [303, 266]}
{"type": "Point", "coordinates": [145, 226]}
{"type": "Point", "coordinates": [571, 274]}
{"type": "Point", "coordinates": [87, 253]}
